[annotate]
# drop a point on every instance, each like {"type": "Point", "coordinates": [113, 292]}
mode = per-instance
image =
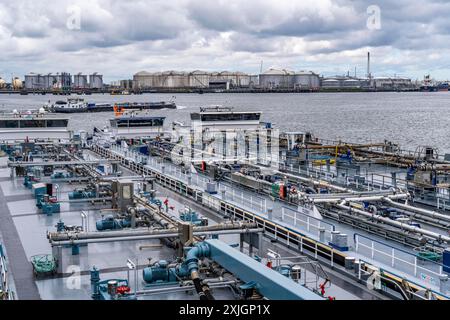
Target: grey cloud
{"type": "Point", "coordinates": [128, 36]}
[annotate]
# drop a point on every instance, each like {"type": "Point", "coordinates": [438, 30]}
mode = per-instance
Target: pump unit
{"type": "Point", "coordinates": [161, 273]}
{"type": "Point", "coordinates": [81, 194]}
{"type": "Point", "coordinates": [49, 205]}
{"type": "Point", "coordinates": [111, 223]}
{"type": "Point", "coordinates": [188, 215]}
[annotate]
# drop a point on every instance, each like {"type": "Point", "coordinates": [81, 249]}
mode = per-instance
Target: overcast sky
{"type": "Point", "coordinates": [119, 38]}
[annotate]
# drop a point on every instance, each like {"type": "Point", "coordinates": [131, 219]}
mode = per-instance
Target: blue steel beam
{"type": "Point", "coordinates": [272, 284]}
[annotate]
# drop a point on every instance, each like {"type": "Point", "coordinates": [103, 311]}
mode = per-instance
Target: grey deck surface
{"type": "Point", "coordinates": [20, 266]}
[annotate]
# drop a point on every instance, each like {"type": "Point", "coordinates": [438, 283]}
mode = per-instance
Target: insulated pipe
{"type": "Point", "coordinates": [425, 212]}
{"type": "Point", "coordinates": [360, 193]}
{"type": "Point", "coordinates": [367, 198]}
{"type": "Point", "coordinates": [220, 284]}
{"type": "Point", "coordinates": [149, 237]}
{"type": "Point", "coordinates": [87, 200]}
{"type": "Point", "coordinates": [316, 182]}
{"type": "Point", "coordinates": [394, 223]}
{"type": "Point", "coordinates": [440, 223]}
{"type": "Point", "coordinates": [57, 236]}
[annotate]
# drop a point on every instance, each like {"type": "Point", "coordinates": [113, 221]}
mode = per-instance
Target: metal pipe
{"type": "Point", "coordinates": [59, 163]}
{"type": "Point", "coordinates": [366, 198]}
{"type": "Point", "coordinates": [425, 212]}
{"type": "Point", "coordinates": [149, 236]}
{"type": "Point", "coordinates": [185, 288]}
{"type": "Point", "coordinates": [398, 224]}
{"type": "Point", "coordinates": [317, 182]}
{"type": "Point", "coordinates": [87, 200]}
{"type": "Point", "coordinates": [360, 193]}
{"type": "Point", "coordinates": [58, 236]}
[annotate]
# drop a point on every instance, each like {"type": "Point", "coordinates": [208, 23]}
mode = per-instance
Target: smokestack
{"type": "Point", "coordinates": [368, 66]}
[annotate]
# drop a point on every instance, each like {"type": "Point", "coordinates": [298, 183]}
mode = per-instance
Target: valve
{"type": "Point", "coordinates": [123, 290]}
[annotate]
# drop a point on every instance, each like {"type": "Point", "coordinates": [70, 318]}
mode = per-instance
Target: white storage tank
{"type": "Point", "coordinates": [276, 78]}
{"type": "Point", "coordinates": [306, 80]}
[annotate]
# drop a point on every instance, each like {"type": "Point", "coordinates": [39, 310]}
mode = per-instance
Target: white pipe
{"type": "Point", "coordinates": [317, 182]}
{"type": "Point", "coordinates": [367, 198]}
{"type": "Point", "coordinates": [152, 236]}
{"type": "Point", "coordinates": [398, 224]}
{"type": "Point", "coordinates": [360, 193]}
{"type": "Point", "coordinates": [425, 212]}
{"type": "Point", "coordinates": [184, 288]}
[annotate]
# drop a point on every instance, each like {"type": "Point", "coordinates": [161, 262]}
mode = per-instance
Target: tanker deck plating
{"type": "Point", "coordinates": [161, 218]}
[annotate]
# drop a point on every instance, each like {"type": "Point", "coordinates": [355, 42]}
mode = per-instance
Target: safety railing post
{"type": "Point", "coordinates": [373, 249]}
{"type": "Point", "coordinates": [359, 269]}
{"type": "Point", "coordinates": [315, 250]}
{"type": "Point", "coordinates": [415, 266]}
{"type": "Point", "coordinates": [332, 258]}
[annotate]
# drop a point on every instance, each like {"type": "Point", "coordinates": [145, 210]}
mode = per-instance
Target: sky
{"type": "Point", "coordinates": [118, 38]}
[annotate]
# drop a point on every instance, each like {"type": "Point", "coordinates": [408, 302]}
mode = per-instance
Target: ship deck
{"type": "Point", "coordinates": [23, 231]}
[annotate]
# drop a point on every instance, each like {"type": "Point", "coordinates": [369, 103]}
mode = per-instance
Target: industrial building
{"type": "Point", "coordinates": [122, 84]}
{"type": "Point", "coordinates": [34, 81]}
{"type": "Point", "coordinates": [343, 82]}
{"type": "Point", "coordinates": [48, 81]}
{"type": "Point", "coordinates": [193, 79]}
{"type": "Point", "coordinates": [63, 80]}
{"type": "Point", "coordinates": [396, 83]}
{"type": "Point", "coordinates": [287, 79]}
{"type": "Point", "coordinates": [377, 83]}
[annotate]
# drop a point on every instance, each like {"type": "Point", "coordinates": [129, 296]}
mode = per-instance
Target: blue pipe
{"type": "Point", "coordinates": [201, 250]}
{"type": "Point", "coordinates": [160, 272]}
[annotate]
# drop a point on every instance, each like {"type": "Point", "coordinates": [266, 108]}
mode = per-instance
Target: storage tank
{"type": "Point", "coordinates": [199, 79]}
{"type": "Point", "coordinates": [276, 78]}
{"type": "Point", "coordinates": [2, 83]}
{"type": "Point", "coordinates": [331, 83]}
{"type": "Point", "coordinates": [80, 81]}
{"type": "Point", "coordinates": [17, 83]}
{"type": "Point", "coordinates": [96, 81]}
{"type": "Point", "coordinates": [236, 79]}
{"type": "Point", "coordinates": [306, 80]}
{"type": "Point", "coordinates": [175, 79]}
{"type": "Point", "coordinates": [143, 79]}
{"type": "Point", "coordinates": [32, 81]}
{"type": "Point", "coordinates": [242, 79]}
{"type": "Point", "coordinates": [50, 81]}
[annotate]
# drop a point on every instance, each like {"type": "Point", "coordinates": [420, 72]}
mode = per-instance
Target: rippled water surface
{"type": "Point", "coordinates": [411, 119]}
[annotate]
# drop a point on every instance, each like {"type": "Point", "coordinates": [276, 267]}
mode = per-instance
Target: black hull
{"type": "Point", "coordinates": [152, 106]}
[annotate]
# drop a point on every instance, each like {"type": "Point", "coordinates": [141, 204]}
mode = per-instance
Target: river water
{"type": "Point", "coordinates": [411, 119]}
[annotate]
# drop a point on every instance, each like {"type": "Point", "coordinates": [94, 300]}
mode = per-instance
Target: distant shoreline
{"type": "Point", "coordinates": [201, 91]}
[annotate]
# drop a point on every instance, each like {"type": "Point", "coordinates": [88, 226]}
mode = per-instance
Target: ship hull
{"type": "Point", "coordinates": [106, 108]}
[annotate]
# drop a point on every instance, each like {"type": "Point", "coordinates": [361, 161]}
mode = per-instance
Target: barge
{"type": "Point", "coordinates": [78, 105]}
